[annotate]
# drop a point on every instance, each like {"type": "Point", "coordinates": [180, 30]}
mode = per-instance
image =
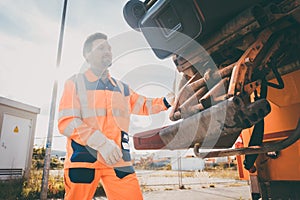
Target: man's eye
{"type": "Point", "coordinates": [103, 48]}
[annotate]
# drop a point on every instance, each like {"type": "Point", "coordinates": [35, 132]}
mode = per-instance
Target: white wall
{"type": "Point", "coordinates": [187, 163]}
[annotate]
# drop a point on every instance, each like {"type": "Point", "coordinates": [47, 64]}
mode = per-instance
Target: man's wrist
{"type": "Point", "coordinates": [166, 103]}
{"type": "Point", "coordinates": [97, 140]}
{"type": "Point", "coordinates": [169, 99]}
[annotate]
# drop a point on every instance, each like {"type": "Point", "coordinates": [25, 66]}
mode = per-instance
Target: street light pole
{"type": "Point", "coordinates": [181, 186]}
{"type": "Point", "coordinates": [44, 187]}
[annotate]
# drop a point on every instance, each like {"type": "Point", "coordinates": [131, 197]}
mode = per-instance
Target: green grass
{"type": "Point", "coordinates": [11, 190]}
{"type": "Point", "coordinates": [30, 189]}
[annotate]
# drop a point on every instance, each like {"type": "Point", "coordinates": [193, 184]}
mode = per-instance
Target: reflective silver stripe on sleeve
{"type": "Point", "coordinates": [118, 112]}
{"type": "Point", "coordinates": [70, 128]}
{"type": "Point", "coordinates": [149, 105]}
{"type": "Point", "coordinates": [99, 112]}
{"type": "Point", "coordinates": [138, 105]}
{"type": "Point", "coordinates": [69, 112]}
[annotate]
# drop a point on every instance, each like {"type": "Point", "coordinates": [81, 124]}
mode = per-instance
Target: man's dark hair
{"type": "Point", "coordinates": [87, 47]}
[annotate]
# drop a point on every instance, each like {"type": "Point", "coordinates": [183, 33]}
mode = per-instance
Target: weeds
{"type": "Point", "coordinates": [224, 173]}
{"type": "Point", "coordinates": [31, 189]}
{"type": "Point", "coordinates": [11, 189]}
{"type": "Point", "coordinates": [19, 189]}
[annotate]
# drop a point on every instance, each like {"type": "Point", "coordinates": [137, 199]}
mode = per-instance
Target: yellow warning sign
{"type": "Point", "coordinates": [16, 130]}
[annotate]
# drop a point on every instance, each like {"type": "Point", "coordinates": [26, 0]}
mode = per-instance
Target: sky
{"type": "Point", "coordinates": [29, 33]}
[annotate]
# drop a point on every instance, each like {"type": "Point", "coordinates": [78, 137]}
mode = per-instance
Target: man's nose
{"type": "Point", "coordinates": [106, 51]}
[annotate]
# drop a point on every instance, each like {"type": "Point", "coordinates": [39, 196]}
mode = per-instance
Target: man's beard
{"type": "Point", "coordinates": [106, 62]}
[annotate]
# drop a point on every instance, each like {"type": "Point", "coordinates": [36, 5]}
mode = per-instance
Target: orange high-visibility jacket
{"type": "Point", "coordinates": [89, 105]}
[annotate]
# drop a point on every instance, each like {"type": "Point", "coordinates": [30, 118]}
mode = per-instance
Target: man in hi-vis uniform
{"type": "Point", "coordinates": [94, 114]}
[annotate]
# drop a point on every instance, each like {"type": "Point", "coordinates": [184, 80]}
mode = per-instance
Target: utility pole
{"type": "Point", "coordinates": [181, 186]}
{"type": "Point", "coordinates": [44, 187]}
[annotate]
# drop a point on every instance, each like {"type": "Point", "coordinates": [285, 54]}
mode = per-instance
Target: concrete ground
{"type": "Point", "coordinates": [164, 185]}
{"type": "Point", "coordinates": [239, 193]}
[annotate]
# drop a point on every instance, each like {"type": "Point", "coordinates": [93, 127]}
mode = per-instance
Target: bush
{"type": "Point", "coordinates": [38, 158]}
{"type": "Point", "coordinates": [56, 164]}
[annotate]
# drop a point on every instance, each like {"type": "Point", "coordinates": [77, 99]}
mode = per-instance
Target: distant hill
{"type": "Point", "coordinates": [58, 153]}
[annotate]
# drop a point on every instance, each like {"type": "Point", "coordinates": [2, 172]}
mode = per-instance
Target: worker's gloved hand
{"type": "Point", "coordinates": [109, 150]}
{"type": "Point", "coordinates": [170, 98]}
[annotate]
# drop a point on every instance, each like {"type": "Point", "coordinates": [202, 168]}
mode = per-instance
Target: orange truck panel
{"type": "Point", "coordinates": [284, 116]}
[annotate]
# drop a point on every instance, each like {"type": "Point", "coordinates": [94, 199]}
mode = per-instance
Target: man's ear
{"type": "Point", "coordinates": [86, 56]}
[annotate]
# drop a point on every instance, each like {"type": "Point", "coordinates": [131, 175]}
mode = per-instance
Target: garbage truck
{"type": "Point", "coordinates": [239, 94]}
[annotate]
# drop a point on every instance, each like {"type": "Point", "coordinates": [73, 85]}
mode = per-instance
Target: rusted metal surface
{"type": "Point", "coordinates": [240, 26]}
{"type": "Point", "coordinates": [248, 18]}
{"type": "Point", "coordinates": [183, 94]}
{"type": "Point", "coordinates": [251, 87]}
{"type": "Point", "coordinates": [187, 106]}
{"type": "Point", "coordinates": [238, 29]}
{"type": "Point", "coordinates": [197, 92]}
{"type": "Point", "coordinates": [216, 127]}
{"type": "Point", "coordinates": [187, 102]}
{"type": "Point", "coordinates": [286, 69]}
{"type": "Point", "coordinates": [216, 94]}
{"type": "Point", "coordinates": [244, 64]}
{"type": "Point", "coordinates": [266, 147]}
{"type": "Point", "coordinates": [212, 77]}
